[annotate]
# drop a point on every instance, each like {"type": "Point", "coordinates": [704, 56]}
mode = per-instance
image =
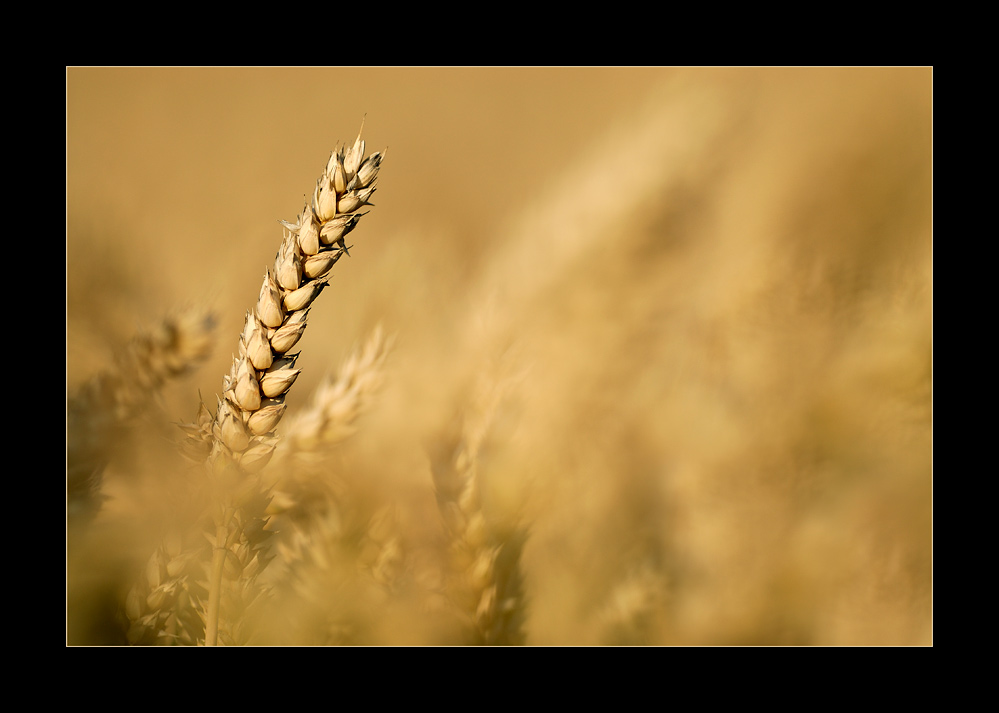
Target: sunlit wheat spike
{"type": "Point", "coordinates": [252, 403]}
{"type": "Point", "coordinates": [296, 279]}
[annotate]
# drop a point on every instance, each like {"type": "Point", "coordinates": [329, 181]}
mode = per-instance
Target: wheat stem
{"type": "Point", "coordinates": [215, 588]}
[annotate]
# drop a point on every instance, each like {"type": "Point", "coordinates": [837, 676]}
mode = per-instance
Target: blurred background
{"type": "Point", "coordinates": [705, 296]}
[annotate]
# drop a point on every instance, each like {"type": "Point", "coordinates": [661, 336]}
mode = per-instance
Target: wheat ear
{"type": "Point", "coordinates": [98, 410]}
{"type": "Point", "coordinates": [296, 474]}
{"type": "Point", "coordinates": [484, 583]}
{"type": "Point", "coordinates": [337, 402]}
{"type": "Point", "coordinates": [241, 434]}
{"type": "Point", "coordinates": [315, 525]}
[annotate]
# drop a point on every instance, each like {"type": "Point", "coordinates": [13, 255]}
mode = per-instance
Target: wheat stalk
{"type": "Point", "coordinates": [240, 436]}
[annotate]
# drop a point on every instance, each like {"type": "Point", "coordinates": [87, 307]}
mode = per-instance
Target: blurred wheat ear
{"type": "Point", "coordinates": [484, 580]}
{"type": "Point", "coordinates": [100, 411]}
{"type": "Point", "coordinates": [320, 529]}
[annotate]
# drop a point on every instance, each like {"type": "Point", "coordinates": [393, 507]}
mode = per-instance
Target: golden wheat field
{"type": "Point", "coordinates": [619, 356]}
